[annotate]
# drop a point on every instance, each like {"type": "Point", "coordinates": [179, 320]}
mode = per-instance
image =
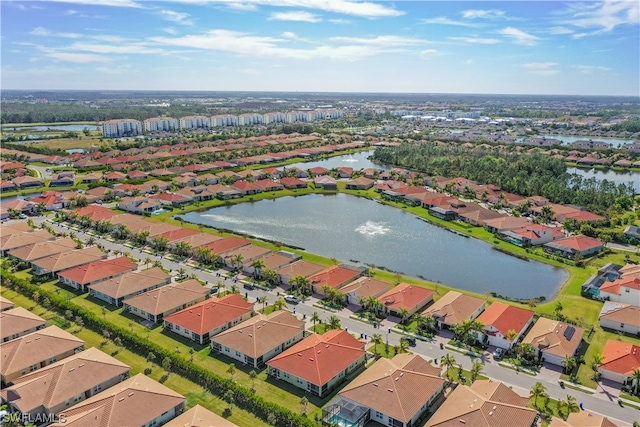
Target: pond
{"type": "Point", "coordinates": [52, 127]}
{"type": "Point", "coordinates": [352, 228]}
{"type": "Point", "coordinates": [619, 177]}
{"type": "Point", "coordinates": [566, 140]}
{"type": "Point", "coordinates": [356, 161]}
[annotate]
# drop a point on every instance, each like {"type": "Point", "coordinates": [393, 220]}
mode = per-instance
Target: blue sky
{"type": "Point", "coordinates": [512, 47]}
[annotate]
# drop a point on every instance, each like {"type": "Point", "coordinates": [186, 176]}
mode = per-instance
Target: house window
{"type": "Point", "coordinates": [177, 327]}
{"type": "Point", "coordinates": [53, 359]}
{"type": "Point", "coordinates": [238, 354]}
{"type": "Point", "coordinates": [379, 415]}
{"type": "Point", "coordinates": [622, 325]}
{"type": "Point", "coordinates": [97, 388]}
{"type": "Point", "coordinates": [33, 368]}
{"type": "Point", "coordinates": [227, 349]}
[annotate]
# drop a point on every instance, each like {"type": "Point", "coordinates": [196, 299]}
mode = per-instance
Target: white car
{"type": "Point", "coordinates": [291, 299]}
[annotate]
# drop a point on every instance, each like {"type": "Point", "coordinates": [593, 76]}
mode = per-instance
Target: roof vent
{"type": "Point", "coordinates": [121, 399]}
{"type": "Point", "coordinates": [389, 389]}
{"type": "Point", "coordinates": [251, 335]}
{"type": "Point", "coordinates": [130, 394]}
{"type": "Point", "coordinates": [397, 378]}
{"type": "Point", "coordinates": [311, 359]}
{"type": "Point", "coordinates": [495, 407]}
{"type": "Point", "coordinates": [71, 369]}
{"type": "Point", "coordinates": [81, 365]}
{"type": "Point", "coordinates": [375, 384]}
{"type": "Point", "coordinates": [490, 413]}
{"type": "Point", "coordinates": [462, 421]}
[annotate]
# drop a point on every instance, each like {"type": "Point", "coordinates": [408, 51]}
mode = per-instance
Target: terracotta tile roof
{"type": "Point", "coordinates": [319, 358]}
{"type": "Point", "coordinates": [18, 240]}
{"type": "Point", "coordinates": [292, 182]}
{"type": "Point", "coordinates": [504, 317]}
{"type": "Point", "coordinates": [276, 260]}
{"type": "Point", "coordinates": [52, 385]}
{"type": "Point", "coordinates": [454, 308]}
{"type": "Point", "coordinates": [335, 277]}
{"type": "Point", "coordinates": [260, 334]}
{"type": "Point", "coordinates": [70, 259]}
{"type": "Point", "coordinates": [177, 234]}
{"type": "Point", "coordinates": [98, 270]}
{"type": "Point", "coordinates": [210, 314]}
{"type": "Point", "coordinates": [5, 304]}
{"type": "Point", "coordinates": [621, 313]}
{"type": "Point", "coordinates": [249, 253]}
{"type": "Point", "coordinates": [578, 243]}
{"type": "Point", "coordinates": [554, 337]}
{"type": "Point", "coordinates": [507, 223]}
{"type": "Point", "coordinates": [18, 320]}
{"type": "Point", "coordinates": [406, 296]}
{"type": "Point", "coordinates": [226, 244]}
{"type": "Point", "coordinates": [620, 357]}
{"type": "Point", "coordinates": [199, 239]}
{"type": "Point", "coordinates": [35, 347]}
{"type": "Point", "coordinates": [16, 228]}
{"type": "Point", "coordinates": [366, 287]}
{"type": "Point", "coordinates": [389, 386]}
{"type": "Point", "coordinates": [42, 249]}
{"type": "Point", "coordinates": [168, 297]}
{"type": "Point", "coordinates": [199, 417]}
{"type": "Point", "coordinates": [582, 419]}
{"type": "Point", "coordinates": [483, 404]}
{"type": "Point", "coordinates": [300, 268]}
{"type": "Point", "coordinates": [133, 402]}
{"type": "Point", "coordinates": [616, 286]}
{"type": "Point", "coordinates": [131, 282]}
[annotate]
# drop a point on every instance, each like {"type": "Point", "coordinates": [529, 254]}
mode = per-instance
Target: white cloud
{"type": "Point", "coordinates": [443, 20]}
{"type": "Point", "coordinates": [346, 7]}
{"type": "Point", "coordinates": [177, 17]}
{"type": "Point", "coordinates": [78, 58]}
{"type": "Point", "coordinates": [340, 21]}
{"type": "Point", "coordinates": [519, 36]}
{"type": "Point", "coordinates": [295, 16]}
{"type": "Point", "coordinates": [170, 30]}
{"type": "Point", "coordinates": [542, 68]}
{"type": "Point", "coordinates": [290, 35]}
{"type": "Point", "coordinates": [484, 14]}
{"type": "Point", "coordinates": [589, 69]}
{"type": "Point", "coordinates": [123, 48]}
{"type": "Point", "coordinates": [430, 53]}
{"type": "Point", "coordinates": [475, 40]}
{"type": "Point", "coordinates": [382, 41]}
{"type": "Point", "coordinates": [250, 45]}
{"type": "Point", "coordinates": [115, 3]}
{"type": "Point", "coordinates": [603, 16]}
{"type": "Point", "coordinates": [39, 31]}
{"type": "Point", "coordinates": [560, 30]}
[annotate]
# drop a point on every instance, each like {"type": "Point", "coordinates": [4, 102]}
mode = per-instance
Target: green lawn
{"type": "Point", "coordinates": [454, 374]}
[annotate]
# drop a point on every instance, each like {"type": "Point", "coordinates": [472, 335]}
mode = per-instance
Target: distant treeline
{"type": "Point", "coordinates": [523, 174]}
{"type": "Point", "coordinates": [629, 125]}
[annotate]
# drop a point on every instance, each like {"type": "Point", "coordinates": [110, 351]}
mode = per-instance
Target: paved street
{"type": "Point", "coordinates": [603, 402]}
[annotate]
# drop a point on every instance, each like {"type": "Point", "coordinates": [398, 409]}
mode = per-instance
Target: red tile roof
{"type": "Point", "coordinates": [614, 287]}
{"type": "Point", "coordinates": [319, 358]}
{"type": "Point", "coordinates": [226, 244]}
{"type": "Point", "coordinates": [333, 277]}
{"type": "Point", "coordinates": [211, 314]}
{"type": "Point", "coordinates": [406, 296]}
{"type": "Point", "coordinates": [620, 357]}
{"type": "Point", "coordinates": [97, 270]}
{"type": "Point", "coordinates": [95, 213]}
{"type": "Point", "coordinates": [505, 317]}
{"type": "Point", "coordinates": [180, 233]}
{"type": "Point", "coordinates": [579, 243]}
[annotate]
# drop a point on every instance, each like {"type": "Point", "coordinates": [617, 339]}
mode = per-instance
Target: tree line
{"type": "Point", "coordinates": [523, 174]}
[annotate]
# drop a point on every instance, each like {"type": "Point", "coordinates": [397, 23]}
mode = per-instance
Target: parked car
{"type": "Point", "coordinates": [497, 355]}
{"type": "Point", "coordinates": [249, 286]}
{"type": "Point", "coordinates": [22, 216]}
{"type": "Point", "coordinates": [291, 299]}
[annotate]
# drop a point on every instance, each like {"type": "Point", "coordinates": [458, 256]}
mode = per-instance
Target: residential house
{"type": "Point", "coordinates": [137, 175]}
{"type": "Point", "coordinates": [484, 404]}
{"type": "Point", "coordinates": [226, 244]}
{"type": "Point", "coordinates": [407, 297]}
{"type": "Point", "coordinates": [5, 304]}
{"type": "Point", "coordinates": [319, 363]}
{"type": "Point", "coordinates": [9, 241]}
{"type": "Point", "coordinates": [17, 322]}
{"type": "Point", "coordinates": [344, 172]}
{"type": "Point", "coordinates": [386, 393]}
{"type": "Point", "coordinates": [199, 416]}
{"type": "Point", "coordinates": [363, 288]}
{"type": "Point", "coordinates": [176, 235]}
{"type": "Point", "coordinates": [197, 193]}
{"type": "Point", "coordinates": [362, 183]}
{"type": "Point", "coordinates": [626, 290]}
{"type": "Point", "coordinates": [117, 289]}
{"type": "Point", "coordinates": [102, 193]}
{"type": "Point", "coordinates": [94, 272]}
{"type": "Point", "coordinates": [20, 206]}
{"type": "Point", "coordinates": [203, 320]}
{"type": "Point", "coordinates": [137, 401]}
{"type": "Point", "coordinates": [171, 199]}
{"type": "Point", "coordinates": [224, 192]}
{"type": "Point", "coordinates": [36, 350]}
{"type": "Point", "coordinates": [554, 340]}
{"type": "Point", "coordinates": [6, 186]}
{"type": "Point", "coordinates": [156, 185]}
{"type": "Point", "coordinates": [246, 187]}
{"type": "Point", "coordinates": [51, 201]}
{"type": "Point", "coordinates": [245, 254]}
{"type": "Point", "coordinates": [272, 261]}
{"type": "Point", "coordinates": [454, 308]}
{"type": "Point", "coordinates": [621, 317]}
{"type": "Point", "coordinates": [318, 171]}
{"type": "Point", "coordinates": [500, 320]}
{"type": "Point", "coordinates": [334, 277]}
{"type": "Point", "coordinates": [27, 182]}
{"type": "Point", "coordinates": [158, 303]}
{"type": "Point", "coordinates": [62, 179]}
{"type": "Point", "coordinates": [297, 268]}
{"type": "Point", "coordinates": [269, 185]}
{"type": "Point", "coordinates": [505, 223]}
{"type": "Point", "coordinates": [54, 264]}
{"type": "Point", "coordinates": [260, 338]}
{"type": "Point", "coordinates": [35, 251]}
{"type": "Point", "coordinates": [293, 183]}
{"type": "Point", "coordinates": [532, 235]}
{"type": "Point", "coordinates": [62, 384]}
{"type": "Point", "coordinates": [196, 240]}
{"type": "Point", "coordinates": [95, 213]}
{"type": "Point", "coordinates": [619, 361]}
{"type": "Point", "coordinates": [476, 215]}
{"type": "Point", "coordinates": [326, 182]}
{"type": "Point", "coordinates": [582, 419]}
{"type": "Point", "coordinates": [570, 247]}
{"type": "Point", "coordinates": [139, 205]}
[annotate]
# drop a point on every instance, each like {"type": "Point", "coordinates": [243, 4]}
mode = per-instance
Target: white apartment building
{"type": "Point", "coordinates": [121, 127]}
{"type": "Point", "coordinates": [167, 124]}
{"type": "Point", "coordinates": [224, 120]}
{"type": "Point", "coordinates": [195, 122]}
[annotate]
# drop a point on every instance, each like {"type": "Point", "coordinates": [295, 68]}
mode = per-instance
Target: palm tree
{"type": "Point", "coordinates": [334, 322]}
{"type": "Point", "coordinates": [300, 284]}
{"type": "Point", "coordinates": [635, 381]}
{"type": "Point", "coordinates": [572, 405]}
{"type": "Point", "coordinates": [569, 364]}
{"type": "Point", "coordinates": [280, 302]}
{"type": "Point", "coordinates": [403, 347]}
{"type": "Point", "coordinates": [562, 408]}
{"type": "Point", "coordinates": [271, 277]}
{"type": "Point", "coordinates": [476, 370]}
{"type": "Point", "coordinates": [376, 339]}
{"type": "Point", "coordinates": [236, 262]}
{"type": "Point", "coordinates": [538, 390]}
{"type": "Point", "coordinates": [183, 249]}
{"type": "Point", "coordinates": [147, 261]}
{"type": "Point", "coordinates": [315, 317]}
{"type": "Point", "coordinates": [257, 266]}
{"type": "Point", "coordinates": [231, 370]}
{"type": "Point", "coordinates": [253, 375]}
{"type": "Point", "coordinates": [404, 314]}
{"type": "Point", "coordinates": [448, 361]}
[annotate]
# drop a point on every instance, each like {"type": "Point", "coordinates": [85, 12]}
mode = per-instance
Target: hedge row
{"type": "Point", "coordinates": [244, 398]}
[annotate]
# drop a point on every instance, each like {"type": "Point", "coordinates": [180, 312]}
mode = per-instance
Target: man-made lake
{"type": "Point", "coordinates": [619, 177]}
{"type": "Point", "coordinates": [566, 140]}
{"type": "Point", "coordinates": [353, 228]}
{"type": "Point", "coordinates": [64, 128]}
{"type": "Point", "coordinates": [356, 161]}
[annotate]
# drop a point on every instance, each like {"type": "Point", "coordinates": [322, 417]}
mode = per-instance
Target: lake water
{"type": "Point", "coordinates": [353, 228]}
{"type": "Point", "coordinates": [619, 177]}
{"type": "Point", "coordinates": [65, 128]}
{"type": "Point", "coordinates": [615, 142]}
{"type": "Point", "coordinates": [356, 161]}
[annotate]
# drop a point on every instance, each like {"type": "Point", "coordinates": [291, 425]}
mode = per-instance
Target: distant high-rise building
{"type": "Point", "coordinates": [167, 124]}
{"type": "Point", "coordinates": [195, 122]}
{"type": "Point", "coordinates": [121, 127]}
